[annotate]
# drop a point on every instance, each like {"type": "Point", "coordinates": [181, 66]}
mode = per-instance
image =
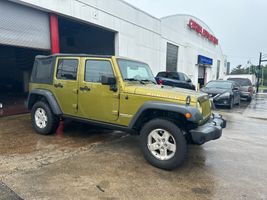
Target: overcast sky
{"type": "Point", "coordinates": [240, 25]}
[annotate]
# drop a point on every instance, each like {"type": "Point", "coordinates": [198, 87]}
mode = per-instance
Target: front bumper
{"type": "Point", "coordinates": [212, 130]}
{"type": "Point", "coordinates": [222, 102]}
{"type": "Point", "coordinates": [246, 94]}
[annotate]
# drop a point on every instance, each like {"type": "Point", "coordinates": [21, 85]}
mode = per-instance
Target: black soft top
{"type": "Point", "coordinates": [71, 55]}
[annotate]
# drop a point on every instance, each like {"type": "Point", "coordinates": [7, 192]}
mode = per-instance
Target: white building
{"type": "Point", "coordinates": [31, 27]}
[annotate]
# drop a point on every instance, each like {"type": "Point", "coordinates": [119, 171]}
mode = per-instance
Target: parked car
{"type": "Point", "coordinates": [246, 90]}
{"type": "Point", "coordinates": [175, 79]}
{"type": "Point", "coordinates": [121, 94]}
{"type": "Point", "coordinates": [223, 93]}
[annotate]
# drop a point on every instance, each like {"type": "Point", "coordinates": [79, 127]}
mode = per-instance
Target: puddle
{"type": "Point", "coordinates": [18, 137]}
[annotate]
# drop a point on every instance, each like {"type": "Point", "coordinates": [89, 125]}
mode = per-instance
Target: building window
{"type": "Point", "coordinates": [218, 69]}
{"type": "Point", "coordinates": [172, 57]}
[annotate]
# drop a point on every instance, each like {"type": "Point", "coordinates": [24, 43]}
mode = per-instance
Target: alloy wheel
{"type": "Point", "coordinates": [161, 144]}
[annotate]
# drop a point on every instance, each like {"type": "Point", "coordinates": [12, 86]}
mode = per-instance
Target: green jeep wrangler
{"type": "Point", "coordinates": [121, 94]}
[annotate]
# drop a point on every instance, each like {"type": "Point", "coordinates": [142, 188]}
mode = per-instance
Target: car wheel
{"type": "Point", "coordinates": [239, 101]}
{"type": "Point", "coordinates": [43, 119]}
{"type": "Point", "coordinates": [163, 144]}
{"type": "Point", "coordinates": [231, 103]}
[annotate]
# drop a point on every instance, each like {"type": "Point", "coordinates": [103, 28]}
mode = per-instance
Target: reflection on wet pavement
{"type": "Point", "coordinates": [71, 167]}
{"type": "Point", "coordinates": [20, 144]}
{"type": "Point", "coordinates": [18, 137]}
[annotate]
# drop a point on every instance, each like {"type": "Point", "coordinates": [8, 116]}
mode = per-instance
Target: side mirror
{"type": "Point", "coordinates": [108, 80]}
{"type": "Point", "coordinates": [236, 89]}
{"type": "Point", "coordinates": [189, 80]}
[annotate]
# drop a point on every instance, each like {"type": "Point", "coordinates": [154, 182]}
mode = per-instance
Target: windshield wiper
{"type": "Point", "coordinates": [133, 79]}
{"type": "Point", "coordinates": [147, 80]}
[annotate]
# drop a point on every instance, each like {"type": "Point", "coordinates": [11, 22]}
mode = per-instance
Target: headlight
{"type": "Point", "coordinates": [224, 95]}
{"type": "Point", "coordinates": [199, 107]}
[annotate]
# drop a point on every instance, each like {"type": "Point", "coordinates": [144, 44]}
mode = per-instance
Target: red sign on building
{"type": "Point", "coordinates": [199, 29]}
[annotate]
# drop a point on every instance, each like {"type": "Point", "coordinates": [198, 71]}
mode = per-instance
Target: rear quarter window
{"type": "Point", "coordinates": [43, 71]}
{"type": "Point", "coordinates": [162, 74]}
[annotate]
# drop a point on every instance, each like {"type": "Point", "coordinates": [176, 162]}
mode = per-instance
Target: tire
{"type": "Point", "coordinates": [168, 154]}
{"type": "Point", "coordinates": [231, 104]}
{"type": "Point", "coordinates": [43, 120]}
{"type": "Point", "coordinates": [239, 101]}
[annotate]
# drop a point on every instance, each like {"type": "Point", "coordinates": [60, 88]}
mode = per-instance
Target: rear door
{"type": "Point", "coordinates": [96, 101]}
{"type": "Point", "coordinates": [66, 84]}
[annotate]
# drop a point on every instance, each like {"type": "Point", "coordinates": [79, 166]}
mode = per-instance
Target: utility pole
{"type": "Point", "coordinates": [258, 73]}
{"type": "Point", "coordinates": [259, 69]}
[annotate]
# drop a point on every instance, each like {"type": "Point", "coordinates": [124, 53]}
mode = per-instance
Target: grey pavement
{"type": "Point", "coordinates": [7, 194]}
{"type": "Point", "coordinates": [258, 107]}
{"type": "Point", "coordinates": [90, 163]}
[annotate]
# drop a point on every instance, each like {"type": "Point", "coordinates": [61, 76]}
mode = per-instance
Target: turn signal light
{"type": "Point", "coordinates": [188, 115]}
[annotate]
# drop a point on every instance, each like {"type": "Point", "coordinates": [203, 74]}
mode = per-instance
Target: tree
{"type": "Point", "coordinates": [238, 70]}
{"type": "Point", "coordinates": [248, 70]}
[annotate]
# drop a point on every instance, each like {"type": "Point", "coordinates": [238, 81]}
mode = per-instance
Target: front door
{"type": "Point", "coordinates": [96, 101]}
{"type": "Point", "coordinates": [66, 85]}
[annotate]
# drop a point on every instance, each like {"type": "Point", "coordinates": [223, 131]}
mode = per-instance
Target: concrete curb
{"type": "Point", "coordinates": [7, 194]}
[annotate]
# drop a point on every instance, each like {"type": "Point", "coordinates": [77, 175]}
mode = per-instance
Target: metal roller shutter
{"type": "Point", "coordinates": [23, 26]}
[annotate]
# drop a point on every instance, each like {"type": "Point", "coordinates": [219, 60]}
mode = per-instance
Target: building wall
{"type": "Point", "coordinates": [139, 35]}
{"type": "Point", "coordinates": [175, 29]}
{"type": "Point", "coordinates": [137, 31]}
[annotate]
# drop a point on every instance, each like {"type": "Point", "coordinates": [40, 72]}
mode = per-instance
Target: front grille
{"type": "Point", "coordinates": [206, 109]}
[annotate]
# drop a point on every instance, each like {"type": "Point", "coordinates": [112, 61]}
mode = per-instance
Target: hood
{"type": "Point", "coordinates": [214, 91]}
{"type": "Point", "coordinates": [165, 92]}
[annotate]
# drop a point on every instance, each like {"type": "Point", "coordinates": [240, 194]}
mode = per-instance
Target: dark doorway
{"type": "Point", "coordinates": [15, 69]}
{"type": "Point", "coordinates": [76, 37]}
{"type": "Point", "coordinates": [201, 75]}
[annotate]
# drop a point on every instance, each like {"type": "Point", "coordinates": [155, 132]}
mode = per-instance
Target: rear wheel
{"type": "Point", "coordinates": [163, 144]}
{"type": "Point", "coordinates": [43, 119]}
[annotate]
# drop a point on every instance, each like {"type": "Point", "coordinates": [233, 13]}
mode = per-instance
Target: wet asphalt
{"type": "Point", "coordinates": [91, 163]}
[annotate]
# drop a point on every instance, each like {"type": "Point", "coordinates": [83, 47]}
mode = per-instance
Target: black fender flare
{"type": "Point", "coordinates": [172, 107]}
{"type": "Point", "coordinates": [50, 98]}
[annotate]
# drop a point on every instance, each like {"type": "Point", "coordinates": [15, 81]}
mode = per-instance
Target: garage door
{"type": "Point", "coordinates": [23, 26]}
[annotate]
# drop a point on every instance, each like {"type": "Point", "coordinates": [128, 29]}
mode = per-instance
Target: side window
{"type": "Point", "coordinates": [173, 75]}
{"type": "Point", "coordinates": [182, 77]}
{"type": "Point", "coordinates": [162, 74]}
{"type": "Point", "coordinates": [67, 69]}
{"type": "Point", "coordinates": [94, 69]}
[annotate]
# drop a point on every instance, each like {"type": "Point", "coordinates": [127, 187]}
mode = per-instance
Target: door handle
{"type": "Point", "coordinates": [58, 85]}
{"type": "Point", "coordinates": [85, 89]}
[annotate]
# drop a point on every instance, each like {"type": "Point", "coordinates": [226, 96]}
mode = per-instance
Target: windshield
{"type": "Point", "coordinates": [135, 71]}
{"type": "Point", "coordinates": [219, 84]}
{"type": "Point", "coordinates": [241, 81]}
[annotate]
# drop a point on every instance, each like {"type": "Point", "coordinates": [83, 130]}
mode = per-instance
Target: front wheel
{"type": "Point", "coordinates": [43, 119]}
{"type": "Point", "coordinates": [231, 103]}
{"type": "Point", "coordinates": [239, 101]}
{"type": "Point", "coordinates": [163, 144]}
